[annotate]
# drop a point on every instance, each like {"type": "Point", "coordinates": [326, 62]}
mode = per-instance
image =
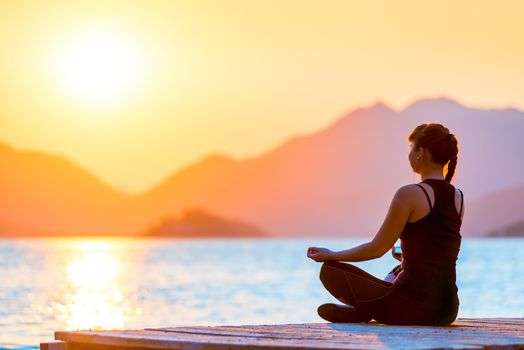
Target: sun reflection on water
{"type": "Point", "coordinates": [96, 290]}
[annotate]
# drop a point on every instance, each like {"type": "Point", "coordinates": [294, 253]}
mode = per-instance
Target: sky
{"type": "Point", "coordinates": [135, 90]}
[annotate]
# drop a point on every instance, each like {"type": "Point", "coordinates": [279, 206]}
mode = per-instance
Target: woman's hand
{"type": "Point", "coordinates": [319, 254]}
{"type": "Point", "coordinates": [396, 255]}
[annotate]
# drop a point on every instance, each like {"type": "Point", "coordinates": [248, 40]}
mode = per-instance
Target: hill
{"type": "Point", "coordinates": [337, 181]}
{"type": "Point", "coordinates": [47, 193]}
{"type": "Point", "coordinates": [198, 223]}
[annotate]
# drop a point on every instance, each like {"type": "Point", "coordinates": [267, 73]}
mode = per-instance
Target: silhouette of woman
{"type": "Point", "coordinates": [427, 217]}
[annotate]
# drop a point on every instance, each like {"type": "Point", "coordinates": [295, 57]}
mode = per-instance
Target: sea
{"type": "Point", "coordinates": [53, 284]}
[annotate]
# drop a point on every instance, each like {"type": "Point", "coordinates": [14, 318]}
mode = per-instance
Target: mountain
{"type": "Point", "coordinates": [514, 230]}
{"type": "Point", "coordinates": [500, 213]}
{"type": "Point", "coordinates": [338, 181]}
{"type": "Point", "coordinates": [307, 186]}
{"type": "Point", "coordinates": [8, 229]}
{"type": "Point", "coordinates": [46, 193]}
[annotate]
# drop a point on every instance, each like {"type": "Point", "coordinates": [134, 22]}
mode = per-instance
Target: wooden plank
{"type": "Point", "coordinates": [500, 327]}
{"type": "Point", "coordinates": [305, 338]}
{"type": "Point", "coordinates": [80, 346]}
{"type": "Point", "coordinates": [494, 324]}
{"type": "Point", "coordinates": [54, 345]}
{"type": "Point", "coordinates": [463, 334]}
{"type": "Point", "coordinates": [159, 340]}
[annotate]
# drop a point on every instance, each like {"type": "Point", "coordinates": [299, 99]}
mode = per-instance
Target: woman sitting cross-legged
{"type": "Point", "coordinates": [427, 217]}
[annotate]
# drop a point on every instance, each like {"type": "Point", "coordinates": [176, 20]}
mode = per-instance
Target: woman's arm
{"type": "Point", "coordinates": [365, 251]}
{"type": "Point", "coordinates": [399, 210]}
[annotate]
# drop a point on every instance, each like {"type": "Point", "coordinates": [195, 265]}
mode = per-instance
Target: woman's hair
{"type": "Point", "coordinates": [441, 144]}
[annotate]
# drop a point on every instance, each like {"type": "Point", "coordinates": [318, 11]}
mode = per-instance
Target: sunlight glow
{"type": "Point", "coordinates": [96, 268]}
{"type": "Point", "coordinates": [96, 299]}
{"type": "Point", "coordinates": [100, 67]}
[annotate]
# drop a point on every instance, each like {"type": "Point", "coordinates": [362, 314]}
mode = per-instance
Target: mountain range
{"type": "Point", "coordinates": [337, 181]}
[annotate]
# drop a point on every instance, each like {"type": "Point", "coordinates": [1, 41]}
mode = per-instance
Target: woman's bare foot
{"type": "Point", "coordinates": [341, 314]}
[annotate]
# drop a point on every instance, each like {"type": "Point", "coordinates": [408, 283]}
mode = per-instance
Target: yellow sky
{"type": "Point", "coordinates": [240, 77]}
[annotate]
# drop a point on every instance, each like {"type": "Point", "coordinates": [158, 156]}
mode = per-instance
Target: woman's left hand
{"type": "Point", "coordinates": [396, 255]}
{"type": "Point", "coordinates": [319, 254]}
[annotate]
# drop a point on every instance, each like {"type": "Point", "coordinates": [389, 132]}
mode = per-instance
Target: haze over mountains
{"type": "Point", "coordinates": [338, 181]}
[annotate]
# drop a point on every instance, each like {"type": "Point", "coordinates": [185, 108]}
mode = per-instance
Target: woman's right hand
{"type": "Point", "coordinates": [319, 254]}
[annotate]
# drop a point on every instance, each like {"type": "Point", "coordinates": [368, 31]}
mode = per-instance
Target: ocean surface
{"type": "Point", "coordinates": [69, 284]}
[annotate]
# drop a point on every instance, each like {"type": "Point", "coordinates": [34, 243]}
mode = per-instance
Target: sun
{"type": "Point", "coordinates": [100, 67]}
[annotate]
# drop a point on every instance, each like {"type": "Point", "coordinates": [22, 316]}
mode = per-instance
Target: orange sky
{"type": "Point", "coordinates": [236, 77]}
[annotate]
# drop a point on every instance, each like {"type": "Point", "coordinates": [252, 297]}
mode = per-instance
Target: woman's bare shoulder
{"type": "Point", "coordinates": [408, 192]}
{"type": "Point", "coordinates": [409, 189]}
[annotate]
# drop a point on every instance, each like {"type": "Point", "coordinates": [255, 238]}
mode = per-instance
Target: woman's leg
{"type": "Point", "coordinates": [352, 286]}
{"type": "Point", "coordinates": [398, 309]}
{"type": "Point", "coordinates": [378, 299]}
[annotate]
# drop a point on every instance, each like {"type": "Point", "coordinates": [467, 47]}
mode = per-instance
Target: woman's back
{"type": "Point", "coordinates": [430, 247]}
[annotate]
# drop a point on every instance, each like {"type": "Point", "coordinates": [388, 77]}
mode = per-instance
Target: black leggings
{"type": "Point", "coordinates": [376, 299]}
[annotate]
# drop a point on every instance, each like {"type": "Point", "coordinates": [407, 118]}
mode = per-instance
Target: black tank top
{"type": "Point", "coordinates": [430, 248]}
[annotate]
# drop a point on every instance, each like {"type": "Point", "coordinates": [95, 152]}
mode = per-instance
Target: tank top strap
{"type": "Point", "coordinates": [427, 196]}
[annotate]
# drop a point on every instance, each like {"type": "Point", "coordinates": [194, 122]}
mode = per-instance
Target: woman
{"type": "Point", "coordinates": [426, 217]}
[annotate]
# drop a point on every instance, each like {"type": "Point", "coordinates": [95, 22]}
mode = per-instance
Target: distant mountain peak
{"type": "Point", "coordinates": [5, 147]}
{"type": "Point", "coordinates": [217, 158]}
{"type": "Point", "coordinates": [379, 105]}
{"type": "Point", "coordinates": [441, 102]}
{"type": "Point", "coordinates": [376, 107]}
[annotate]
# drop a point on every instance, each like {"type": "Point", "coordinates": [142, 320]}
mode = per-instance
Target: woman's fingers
{"type": "Point", "coordinates": [316, 253]}
{"type": "Point", "coordinates": [312, 255]}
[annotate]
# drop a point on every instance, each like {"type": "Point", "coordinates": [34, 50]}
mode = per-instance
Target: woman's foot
{"type": "Point", "coordinates": [341, 314]}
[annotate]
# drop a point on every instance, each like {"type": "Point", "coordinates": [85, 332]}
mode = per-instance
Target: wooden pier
{"type": "Point", "coordinates": [495, 333]}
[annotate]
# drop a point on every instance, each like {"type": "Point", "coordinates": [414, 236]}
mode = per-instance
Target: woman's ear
{"type": "Point", "coordinates": [420, 152]}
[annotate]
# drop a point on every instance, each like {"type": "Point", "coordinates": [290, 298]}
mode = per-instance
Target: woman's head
{"type": "Point", "coordinates": [433, 143]}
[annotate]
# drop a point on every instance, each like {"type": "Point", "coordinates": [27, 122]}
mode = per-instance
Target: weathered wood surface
{"type": "Point", "coordinates": [500, 333]}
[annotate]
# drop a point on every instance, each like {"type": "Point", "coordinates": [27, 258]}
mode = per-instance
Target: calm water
{"type": "Point", "coordinates": [51, 284]}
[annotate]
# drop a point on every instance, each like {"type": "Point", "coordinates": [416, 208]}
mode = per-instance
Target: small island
{"type": "Point", "coordinates": [199, 224]}
{"type": "Point", "coordinates": [514, 230]}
